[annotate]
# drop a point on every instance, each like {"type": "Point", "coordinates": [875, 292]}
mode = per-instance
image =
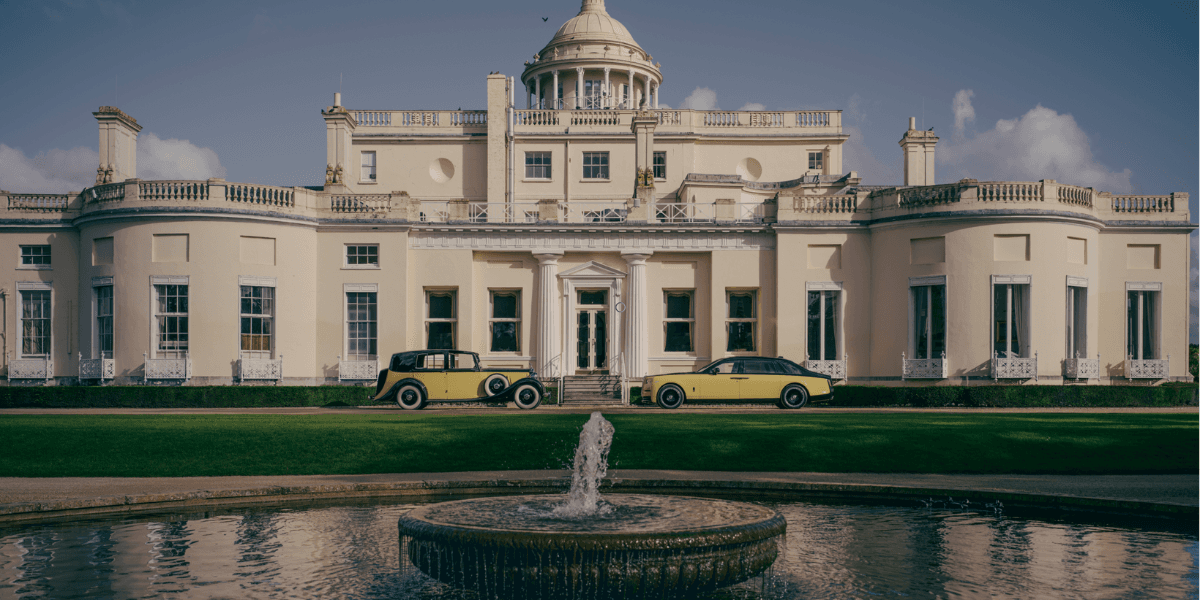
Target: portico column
{"type": "Point", "coordinates": [637, 337]}
{"type": "Point", "coordinates": [554, 92]}
{"type": "Point", "coordinates": [547, 346]}
{"type": "Point", "coordinates": [607, 90]}
{"type": "Point", "coordinates": [578, 85]}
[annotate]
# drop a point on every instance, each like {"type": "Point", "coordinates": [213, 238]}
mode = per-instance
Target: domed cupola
{"type": "Point", "coordinates": [593, 64]}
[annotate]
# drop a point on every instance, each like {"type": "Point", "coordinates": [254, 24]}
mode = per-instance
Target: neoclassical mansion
{"type": "Point", "coordinates": [575, 227]}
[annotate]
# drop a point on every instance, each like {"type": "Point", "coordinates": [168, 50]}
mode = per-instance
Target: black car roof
{"type": "Point", "coordinates": [414, 352]}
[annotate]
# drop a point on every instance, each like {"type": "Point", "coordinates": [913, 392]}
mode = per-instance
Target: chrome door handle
{"type": "Point", "coordinates": [739, 378]}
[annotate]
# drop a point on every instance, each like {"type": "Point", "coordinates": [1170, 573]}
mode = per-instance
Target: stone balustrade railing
{"type": "Point", "coordinates": [39, 202]}
{"type": "Point", "coordinates": [419, 118]}
{"type": "Point", "coordinates": [262, 195]}
{"type": "Point", "coordinates": [842, 203]}
{"type": "Point", "coordinates": [1010, 191]}
{"type": "Point", "coordinates": [928, 195]}
{"type": "Point", "coordinates": [108, 192]}
{"type": "Point", "coordinates": [1143, 204]}
{"type": "Point", "coordinates": [361, 203]}
{"type": "Point", "coordinates": [1073, 194]}
{"type": "Point", "coordinates": [172, 190]}
{"type": "Point", "coordinates": [670, 121]}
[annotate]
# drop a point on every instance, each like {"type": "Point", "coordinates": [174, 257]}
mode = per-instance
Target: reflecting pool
{"type": "Point", "coordinates": [351, 550]}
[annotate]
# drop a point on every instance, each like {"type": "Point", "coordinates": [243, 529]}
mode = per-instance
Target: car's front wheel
{"type": "Point", "coordinates": [495, 383]}
{"type": "Point", "coordinates": [670, 396]}
{"type": "Point", "coordinates": [527, 397]}
{"type": "Point", "coordinates": [793, 396]}
{"type": "Point", "coordinates": [409, 397]}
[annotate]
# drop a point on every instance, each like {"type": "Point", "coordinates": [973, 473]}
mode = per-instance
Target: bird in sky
{"type": "Point", "coordinates": [544, 19]}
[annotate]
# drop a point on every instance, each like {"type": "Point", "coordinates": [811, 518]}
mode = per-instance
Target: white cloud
{"type": "Point", "coordinates": [963, 111]}
{"type": "Point", "coordinates": [60, 171]}
{"type": "Point", "coordinates": [1042, 144]}
{"type": "Point", "coordinates": [702, 98]}
{"type": "Point", "coordinates": [752, 106]}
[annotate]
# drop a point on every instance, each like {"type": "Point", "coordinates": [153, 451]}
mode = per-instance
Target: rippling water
{"type": "Point", "coordinates": [832, 551]}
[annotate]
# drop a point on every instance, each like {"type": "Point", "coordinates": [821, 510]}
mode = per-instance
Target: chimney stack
{"type": "Point", "coordinates": [918, 154]}
{"type": "Point", "coordinates": [118, 145]}
{"type": "Point", "coordinates": [337, 99]}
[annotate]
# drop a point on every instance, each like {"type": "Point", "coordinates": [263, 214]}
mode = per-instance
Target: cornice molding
{"type": "Point", "coordinates": [582, 240]}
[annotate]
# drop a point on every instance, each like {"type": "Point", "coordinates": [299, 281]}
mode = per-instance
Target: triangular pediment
{"type": "Point", "coordinates": [590, 270]}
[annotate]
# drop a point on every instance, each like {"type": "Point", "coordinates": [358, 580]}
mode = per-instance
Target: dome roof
{"type": "Point", "coordinates": [593, 24]}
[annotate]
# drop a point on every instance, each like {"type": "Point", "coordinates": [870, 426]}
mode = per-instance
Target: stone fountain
{"type": "Point", "coordinates": [615, 546]}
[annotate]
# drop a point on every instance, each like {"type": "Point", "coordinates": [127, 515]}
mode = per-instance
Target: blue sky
{"type": "Point", "coordinates": [234, 88]}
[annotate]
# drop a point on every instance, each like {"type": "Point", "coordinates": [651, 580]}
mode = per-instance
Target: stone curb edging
{"type": "Point", "coordinates": [433, 489]}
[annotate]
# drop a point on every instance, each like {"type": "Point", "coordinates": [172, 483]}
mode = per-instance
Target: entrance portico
{"type": "Point", "coordinates": [591, 311]}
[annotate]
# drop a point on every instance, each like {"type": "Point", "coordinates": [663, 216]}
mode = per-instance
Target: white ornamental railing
{"type": "Point", "coordinates": [750, 213]}
{"type": "Point", "coordinates": [1014, 367]}
{"type": "Point", "coordinates": [434, 212]}
{"type": "Point", "coordinates": [924, 368]}
{"type": "Point", "coordinates": [503, 212]}
{"type": "Point", "coordinates": [363, 203]}
{"type": "Point", "coordinates": [1149, 368]}
{"type": "Point", "coordinates": [1082, 368]}
{"type": "Point", "coordinates": [593, 212]}
{"type": "Point", "coordinates": [168, 368]}
{"type": "Point", "coordinates": [833, 368]}
{"type": "Point", "coordinates": [260, 369]}
{"type": "Point", "coordinates": [31, 368]}
{"type": "Point", "coordinates": [685, 212]}
{"type": "Point", "coordinates": [97, 368]}
{"type": "Point", "coordinates": [357, 370]}
{"type": "Point", "coordinates": [173, 190]}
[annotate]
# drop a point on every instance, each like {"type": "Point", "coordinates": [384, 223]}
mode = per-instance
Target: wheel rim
{"type": "Point", "coordinates": [795, 398]}
{"type": "Point", "coordinates": [527, 396]}
{"type": "Point", "coordinates": [670, 398]}
{"type": "Point", "coordinates": [408, 397]}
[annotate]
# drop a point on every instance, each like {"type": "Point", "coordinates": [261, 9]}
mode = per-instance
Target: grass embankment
{"type": "Point", "coordinates": [195, 445]}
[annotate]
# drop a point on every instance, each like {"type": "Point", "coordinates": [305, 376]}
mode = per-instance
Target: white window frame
{"type": "Point", "coordinates": [158, 351]}
{"type": "Point", "coordinates": [97, 284]}
{"type": "Point", "coordinates": [272, 317]}
{"type": "Point", "coordinates": [1142, 288]}
{"type": "Point", "coordinates": [929, 282]}
{"type": "Point", "coordinates": [452, 320]}
{"type": "Point", "coordinates": [600, 171]}
{"type": "Point", "coordinates": [593, 94]}
{"type": "Point", "coordinates": [824, 288]}
{"type": "Point", "coordinates": [34, 265]}
{"type": "Point", "coordinates": [1013, 284]}
{"type": "Point", "coordinates": [373, 333]}
{"type": "Point", "coordinates": [817, 158]}
{"type": "Point", "coordinates": [690, 320]}
{"type": "Point", "coordinates": [656, 164]}
{"type": "Point", "coordinates": [346, 264]}
{"type": "Point", "coordinates": [755, 341]}
{"type": "Point", "coordinates": [493, 319]}
{"type": "Point", "coordinates": [368, 170]}
{"type": "Point", "coordinates": [532, 168]}
{"type": "Point", "coordinates": [1076, 316]}
{"type": "Point", "coordinates": [35, 287]}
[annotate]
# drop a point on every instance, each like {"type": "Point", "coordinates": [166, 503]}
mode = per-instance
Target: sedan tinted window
{"type": "Point", "coordinates": [725, 367]}
{"type": "Point", "coordinates": [759, 366]}
{"type": "Point", "coordinates": [789, 368]}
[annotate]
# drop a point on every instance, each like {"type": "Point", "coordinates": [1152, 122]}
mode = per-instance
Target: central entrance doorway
{"type": "Point", "coordinates": [591, 333]}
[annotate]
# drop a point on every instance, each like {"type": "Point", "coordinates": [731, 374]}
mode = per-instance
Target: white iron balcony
{"type": "Point", "coordinates": [833, 368]}
{"type": "Point", "coordinates": [357, 370]}
{"type": "Point", "coordinates": [1081, 368]}
{"type": "Point", "coordinates": [925, 368]}
{"type": "Point", "coordinates": [168, 368]}
{"type": "Point", "coordinates": [1149, 368]}
{"type": "Point", "coordinates": [1014, 367]}
{"type": "Point", "coordinates": [97, 368]}
{"type": "Point", "coordinates": [254, 368]}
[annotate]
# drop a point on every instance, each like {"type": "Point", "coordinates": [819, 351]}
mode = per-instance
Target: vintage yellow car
{"type": "Point", "coordinates": [413, 379]}
{"type": "Point", "coordinates": [741, 378]}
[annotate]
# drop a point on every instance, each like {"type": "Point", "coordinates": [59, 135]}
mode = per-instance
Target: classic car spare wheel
{"type": "Point", "coordinates": [494, 384]}
{"type": "Point", "coordinates": [409, 397]}
{"type": "Point", "coordinates": [527, 397]}
{"type": "Point", "coordinates": [670, 396]}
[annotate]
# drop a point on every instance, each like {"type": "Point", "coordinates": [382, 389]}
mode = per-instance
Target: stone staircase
{"type": "Point", "coordinates": [591, 390]}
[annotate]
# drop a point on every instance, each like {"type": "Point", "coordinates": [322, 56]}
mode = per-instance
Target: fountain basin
{"type": "Point", "coordinates": [634, 546]}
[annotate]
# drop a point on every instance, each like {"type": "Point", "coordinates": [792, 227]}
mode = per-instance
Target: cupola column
{"type": "Point", "coordinates": [537, 92]}
{"type": "Point", "coordinates": [607, 89]}
{"type": "Point", "coordinates": [554, 92]}
{"type": "Point", "coordinates": [656, 96]}
{"type": "Point", "coordinates": [646, 91]}
{"type": "Point", "coordinates": [631, 104]}
{"type": "Point", "coordinates": [578, 86]}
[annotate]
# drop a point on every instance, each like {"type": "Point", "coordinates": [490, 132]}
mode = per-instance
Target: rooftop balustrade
{"type": "Point", "coordinates": [420, 121]}
{"type": "Point", "coordinates": [681, 121]}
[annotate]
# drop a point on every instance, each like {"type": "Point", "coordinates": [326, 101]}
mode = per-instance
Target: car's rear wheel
{"type": "Point", "coordinates": [793, 396]}
{"type": "Point", "coordinates": [409, 397]}
{"type": "Point", "coordinates": [527, 397]}
{"type": "Point", "coordinates": [670, 396]}
{"type": "Point", "coordinates": [495, 383]}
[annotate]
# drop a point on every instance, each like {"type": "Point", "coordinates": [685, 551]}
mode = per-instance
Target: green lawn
{"type": "Point", "coordinates": [191, 445]}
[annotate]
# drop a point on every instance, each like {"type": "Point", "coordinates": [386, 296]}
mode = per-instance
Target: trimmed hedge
{"type": "Point", "coordinates": [845, 396]}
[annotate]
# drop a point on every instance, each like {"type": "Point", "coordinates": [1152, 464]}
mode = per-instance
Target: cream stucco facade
{"type": "Point", "coordinates": [573, 226]}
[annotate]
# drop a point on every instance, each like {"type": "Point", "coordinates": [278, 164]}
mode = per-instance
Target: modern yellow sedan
{"type": "Point", "coordinates": [741, 378]}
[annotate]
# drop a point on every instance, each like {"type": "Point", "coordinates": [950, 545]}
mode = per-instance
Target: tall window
{"type": "Point", "coordinates": [362, 256]}
{"type": "Point", "coordinates": [660, 165]}
{"type": "Point", "coordinates": [505, 321]}
{"type": "Point", "coordinates": [1142, 323]}
{"type": "Point", "coordinates": [680, 321]}
{"type": "Point", "coordinates": [929, 320]}
{"type": "Point", "coordinates": [441, 317]}
{"type": "Point", "coordinates": [816, 161]}
{"type": "Point", "coordinates": [361, 326]}
{"type": "Point", "coordinates": [537, 165]}
{"type": "Point", "coordinates": [368, 166]}
{"type": "Point", "coordinates": [257, 313]}
{"type": "Point", "coordinates": [171, 320]}
{"type": "Point", "coordinates": [823, 324]}
{"type": "Point", "coordinates": [104, 321]}
{"type": "Point", "coordinates": [35, 323]}
{"type": "Point", "coordinates": [1077, 311]}
{"type": "Point", "coordinates": [1010, 320]}
{"type": "Point", "coordinates": [595, 165]}
{"type": "Point", "coordinates": [742, 322]}
{"type": "Point", "coordinates": [593, 93]}
{"type": "Point", "coordinates": [35, 257]}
